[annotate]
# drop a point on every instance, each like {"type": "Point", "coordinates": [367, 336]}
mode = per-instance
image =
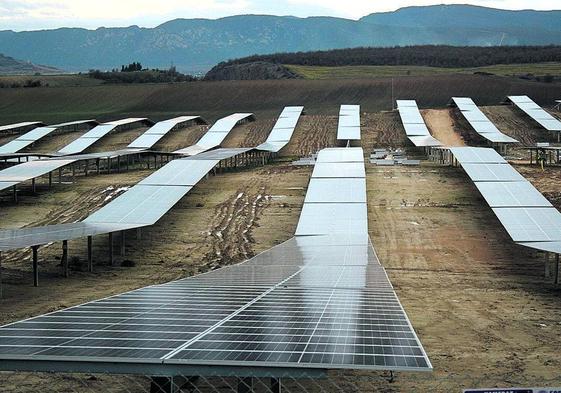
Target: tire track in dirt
{"type": "Point", "coordinates": [312, 134]}
{"type": "Point", "coordinates": [230, 229]}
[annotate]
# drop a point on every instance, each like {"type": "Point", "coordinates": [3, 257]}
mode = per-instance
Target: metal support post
{"type": "Point", "coordinates": [90, 258]}
{"type": "Point", "coordinates": [111, 248]}
{"type": "Point", "coordinates": [65, 269]}
{"type": "Point", "coordinates": [35, 266]}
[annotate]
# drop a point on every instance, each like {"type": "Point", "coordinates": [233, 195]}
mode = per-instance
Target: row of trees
{"type": "Point", "coordinates": [133, 73]}
{"type": "Point", "coordinates": [427, 55]}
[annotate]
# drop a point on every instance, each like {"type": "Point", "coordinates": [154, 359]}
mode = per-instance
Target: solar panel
{"type": "Point", "coordinates": [322, 190]}
{"type": "Point", "coordinates": [416, 130]}
{"type": "Point", "coordinates": [536, 112]}
{"type": "Point", "coordinates": [485, 127]}
{"type": "Point", "coordinates": [142, 204]}
{"type": "Point", "coordinates": [410, 116]}
{"type": "Point", "coordinates": [550, 125]}
{"type": "Point", "coordinates": [406, 103]}
{"type": "Point", "coordinates": [421, 141]}
{"type": "Point", "coordinates": [331, 218]}
{"type": "Point", "coordinates": [286, 122]}
{"type": "Point", "coordinates": [531, 224]}
{"type": "Point", "coordinates": [145, 141]}
{"type": "Point", "coordinates": [492, 172]}
{"type": "Point", "coordinates": [554, 247]}
{"type": "Point", "coordinates": [15, 126]}
{"type": "Point", "coordinates": [14, 146]}
{"type": "Point", "coordinates": [280, 134]}
{"type": "Point", "coordinates": [31, 169]}
{"type": "Point", "coordinates": [344, 169]}
{"type": "Point", "coordinates": [349, 121]}
{"type": "Point", "coordinates": [348, 133]}
{"type": "Point", "coordinates": [180, 173]}
{"type": "Point", "coordinates": [479, 121]}
{"type": "Point", "coordinates": [26, 237]}
{"type": "Point", "coordinates": [351, 154]}
{"type": "Point", "coordinates": [466, 155]}
{"type": "Point", "coordinates": [7, 184]}
{"type": "Point", "coordinates": [512, 194]}
{"type": "Point", "coordinates": [36, 134]}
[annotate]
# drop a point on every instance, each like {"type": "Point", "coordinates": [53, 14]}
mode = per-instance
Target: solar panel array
{"type": "Point", "coordinates": [479, 122]}
{"type": "Point", "coordinates": [155, 133]}
{"type": "Point", "coordinates": [528, 217]}
{"type": "Point", "coordinates": [348, 128]}
{"type": "Point", "coordinates": [29, 170]}
{"type": "Point", "coordinates": [528, 106]}
{"type": "Point", "coordinates": [312, 302]}
{"type": "Point", "coordinates": [142, 205]}
{"type": "Point", "coordinates": [95, 134]}
{"type": "Point", "coordinates": [415, 127]}
{"type": "Point", "coordinates": [282, 130]}
{"type": "Point", "coordinates": [216, 134]}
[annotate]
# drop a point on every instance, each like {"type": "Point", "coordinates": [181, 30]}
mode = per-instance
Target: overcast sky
{"type": "Point", "coordinates": [45, 14]}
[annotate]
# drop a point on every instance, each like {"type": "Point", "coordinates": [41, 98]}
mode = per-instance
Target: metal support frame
{"type": "Point", "coordinates": [245, 385]}
{"type": "Point", "coordinates": [64, 261]}
{"type": "Point", "coordinates": [123, 248]}
{"type": "Point", "coordinates": [90, 258]}
{"type": "Point", "coordinates": [110, 238]}
{"type": "Point", "coordinates": [35, 266]}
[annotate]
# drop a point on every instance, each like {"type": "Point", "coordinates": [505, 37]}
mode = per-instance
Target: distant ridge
{"type": "Point", "coordinates": [9, 65]}
{"type": "Point", "coordinates": [198, 44]}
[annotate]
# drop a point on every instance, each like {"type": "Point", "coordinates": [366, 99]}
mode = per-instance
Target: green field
{"type": "Point", "coordinates": [359, 72]}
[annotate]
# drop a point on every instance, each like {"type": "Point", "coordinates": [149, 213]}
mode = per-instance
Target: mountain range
{"type": "Point", "coordinates": [195, 45]}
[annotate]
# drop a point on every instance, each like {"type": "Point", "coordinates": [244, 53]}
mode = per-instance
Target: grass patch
{"type": "Point", "coordinates": [360, 72]}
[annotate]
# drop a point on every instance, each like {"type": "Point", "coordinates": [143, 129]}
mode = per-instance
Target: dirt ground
{"type": "Point", "coordinates": [441, 126]}
{"type": "Point", "coordinates": [478, 302]}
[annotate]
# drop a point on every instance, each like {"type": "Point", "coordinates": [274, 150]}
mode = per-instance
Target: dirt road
{"type": "Point", "coordinates": [441, 126]}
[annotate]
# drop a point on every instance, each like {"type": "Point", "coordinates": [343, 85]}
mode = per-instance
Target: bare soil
{"type": "Point", "coordinates": [441, 126]}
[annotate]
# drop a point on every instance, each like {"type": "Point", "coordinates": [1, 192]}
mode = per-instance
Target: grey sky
{"type": "Point", "coordinates": [45, 14]}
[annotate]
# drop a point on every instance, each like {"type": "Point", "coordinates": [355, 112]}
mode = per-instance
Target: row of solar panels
{"type": "Point", "coordinates": [16, 174]}
{"type": "Point", "coordinates": [315, 301]}
{"type": "Point", "coordinates": [479, 122]}
{"type": "Point", "coordinates": [415, 127]}
{"type": "Point", "coordinates": [283, 129]}
{"type": "Point", "coordinates": [336, 198]}
{"type": "Point", "coordinates": [528, 106]}
{"type": "Point", "coordinates": [528, 217]}
{"type": "Point", "coordinates": [348, 128]}
{"type": "Point", "coordinates": [30, 137]}
{"type": "Point", "coordinates": [216, 134]}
